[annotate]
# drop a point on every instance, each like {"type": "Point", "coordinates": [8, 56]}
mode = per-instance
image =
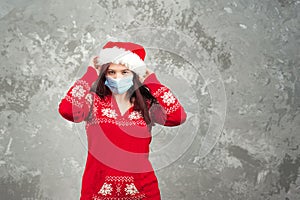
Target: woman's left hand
{"type": "Point", "coordinates": [148, 73]}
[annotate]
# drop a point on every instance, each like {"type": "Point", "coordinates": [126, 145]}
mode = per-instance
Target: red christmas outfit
{"type": "Point", "coordinates": [117, 165]}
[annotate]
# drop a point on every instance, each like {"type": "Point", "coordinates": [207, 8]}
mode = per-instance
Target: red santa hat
{"type": "Point", "coordinates": [127, 53]}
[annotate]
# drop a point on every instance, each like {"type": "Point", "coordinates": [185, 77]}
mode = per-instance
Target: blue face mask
{"type": "Point", "coordinates": [119, 85]}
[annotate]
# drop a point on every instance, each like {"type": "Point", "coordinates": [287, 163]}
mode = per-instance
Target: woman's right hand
{"type": "Point", "coordinates": [94, 63]}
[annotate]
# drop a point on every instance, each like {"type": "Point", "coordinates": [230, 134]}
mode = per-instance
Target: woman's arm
{"type": "Point", "coordinates": [171, 112]}
{"type": "Point", "coordinates": [76, 104]}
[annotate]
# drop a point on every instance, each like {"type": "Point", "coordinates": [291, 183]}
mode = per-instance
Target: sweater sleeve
{"type": "Point", "coordinates": [75, 105]}
{"type": "Point", "coordinates": [169, 112]}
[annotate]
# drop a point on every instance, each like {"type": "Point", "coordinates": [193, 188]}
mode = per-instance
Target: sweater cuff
{"type": "Point", "coordinates": [90, 75]}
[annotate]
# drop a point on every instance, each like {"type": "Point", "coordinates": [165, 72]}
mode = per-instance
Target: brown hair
{"type": "Point", "coordinates": [138, 94]}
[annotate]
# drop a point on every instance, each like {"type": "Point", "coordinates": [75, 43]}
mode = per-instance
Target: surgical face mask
{"type": "Point", "coordinates": [119, 85]}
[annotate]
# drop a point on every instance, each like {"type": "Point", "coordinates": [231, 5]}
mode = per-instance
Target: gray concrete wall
{"type": "Point", "coordinates": [234, 65]}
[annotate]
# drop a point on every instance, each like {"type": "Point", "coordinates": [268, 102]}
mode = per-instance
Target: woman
{"type": "Point", "coordinates": [120, 100]}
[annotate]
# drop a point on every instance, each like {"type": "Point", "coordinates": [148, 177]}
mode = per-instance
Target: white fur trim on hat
{"type": "Point", "coordinates": [122, 56]}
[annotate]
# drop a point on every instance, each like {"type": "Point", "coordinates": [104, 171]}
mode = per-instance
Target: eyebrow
{"type": "Point", "coordinates": [121, 70]}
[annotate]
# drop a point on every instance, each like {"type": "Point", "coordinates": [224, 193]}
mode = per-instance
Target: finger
{"type": "Point", "coordinates": [96, 64]}
{"type": "Point", "coordinates": [95, 60]}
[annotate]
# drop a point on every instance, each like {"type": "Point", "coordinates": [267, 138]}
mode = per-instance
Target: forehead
{"type": "Point", "coordinates": [117, 67]}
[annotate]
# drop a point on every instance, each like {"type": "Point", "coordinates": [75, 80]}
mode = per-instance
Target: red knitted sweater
{"type": "Point", "coordinates": [117, 165]}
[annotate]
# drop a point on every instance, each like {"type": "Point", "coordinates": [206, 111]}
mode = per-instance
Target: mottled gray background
{"type": "Point", "coordinates": [252, 46]}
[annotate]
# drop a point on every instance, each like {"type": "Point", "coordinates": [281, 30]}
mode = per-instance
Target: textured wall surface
{"type": "Point", "coordinates": [234, 65]}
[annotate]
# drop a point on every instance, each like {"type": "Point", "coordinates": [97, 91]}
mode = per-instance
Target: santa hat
{"type": "Point", "coordinates": [127, 53]}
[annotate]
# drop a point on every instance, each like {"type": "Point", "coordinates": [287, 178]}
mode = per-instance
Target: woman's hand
{"type": "Point", "coordinates": [94, 63]}
{"type": "Point", "coordinates": [148, 72]}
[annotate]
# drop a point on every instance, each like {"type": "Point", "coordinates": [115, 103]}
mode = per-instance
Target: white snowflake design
{"type": "Point", "coordinates": [108, 112]}
{"type": "Point", "coordinates": [105, 189]}
{"type": "Point", "coordinates": [168, 98]}
{"type": "Point", "coordinates": [131, 189]}
{"type": "Point", "coordinates": [78, 91]}
{"type": "Point", "coordinates": [135, 115]}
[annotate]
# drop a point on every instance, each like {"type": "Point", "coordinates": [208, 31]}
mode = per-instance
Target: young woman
{"type": "Point", "coordinates": [120, 100]}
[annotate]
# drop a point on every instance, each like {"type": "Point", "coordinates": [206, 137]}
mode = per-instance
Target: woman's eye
{"type": "Point", "coordinates": [126, 72]}
{"type": "Point", "coordinates": [110, 72]}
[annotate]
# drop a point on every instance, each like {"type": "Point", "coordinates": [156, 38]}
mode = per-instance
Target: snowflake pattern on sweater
{"type": "Point", "coordinates": [108, 112]}
{"type": "Point", "coordinates": [106, 189]}
{"type": "Point", "coordinates": [122, 187]}
{"type": "Point", "coordinates": [135, 115]}
{"type": "Point", "coordinates": [131, 189]}
{"type": "Point", "coordinates": [78, 91]}
{"type": "Point", "coordinates": [168, 98]}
